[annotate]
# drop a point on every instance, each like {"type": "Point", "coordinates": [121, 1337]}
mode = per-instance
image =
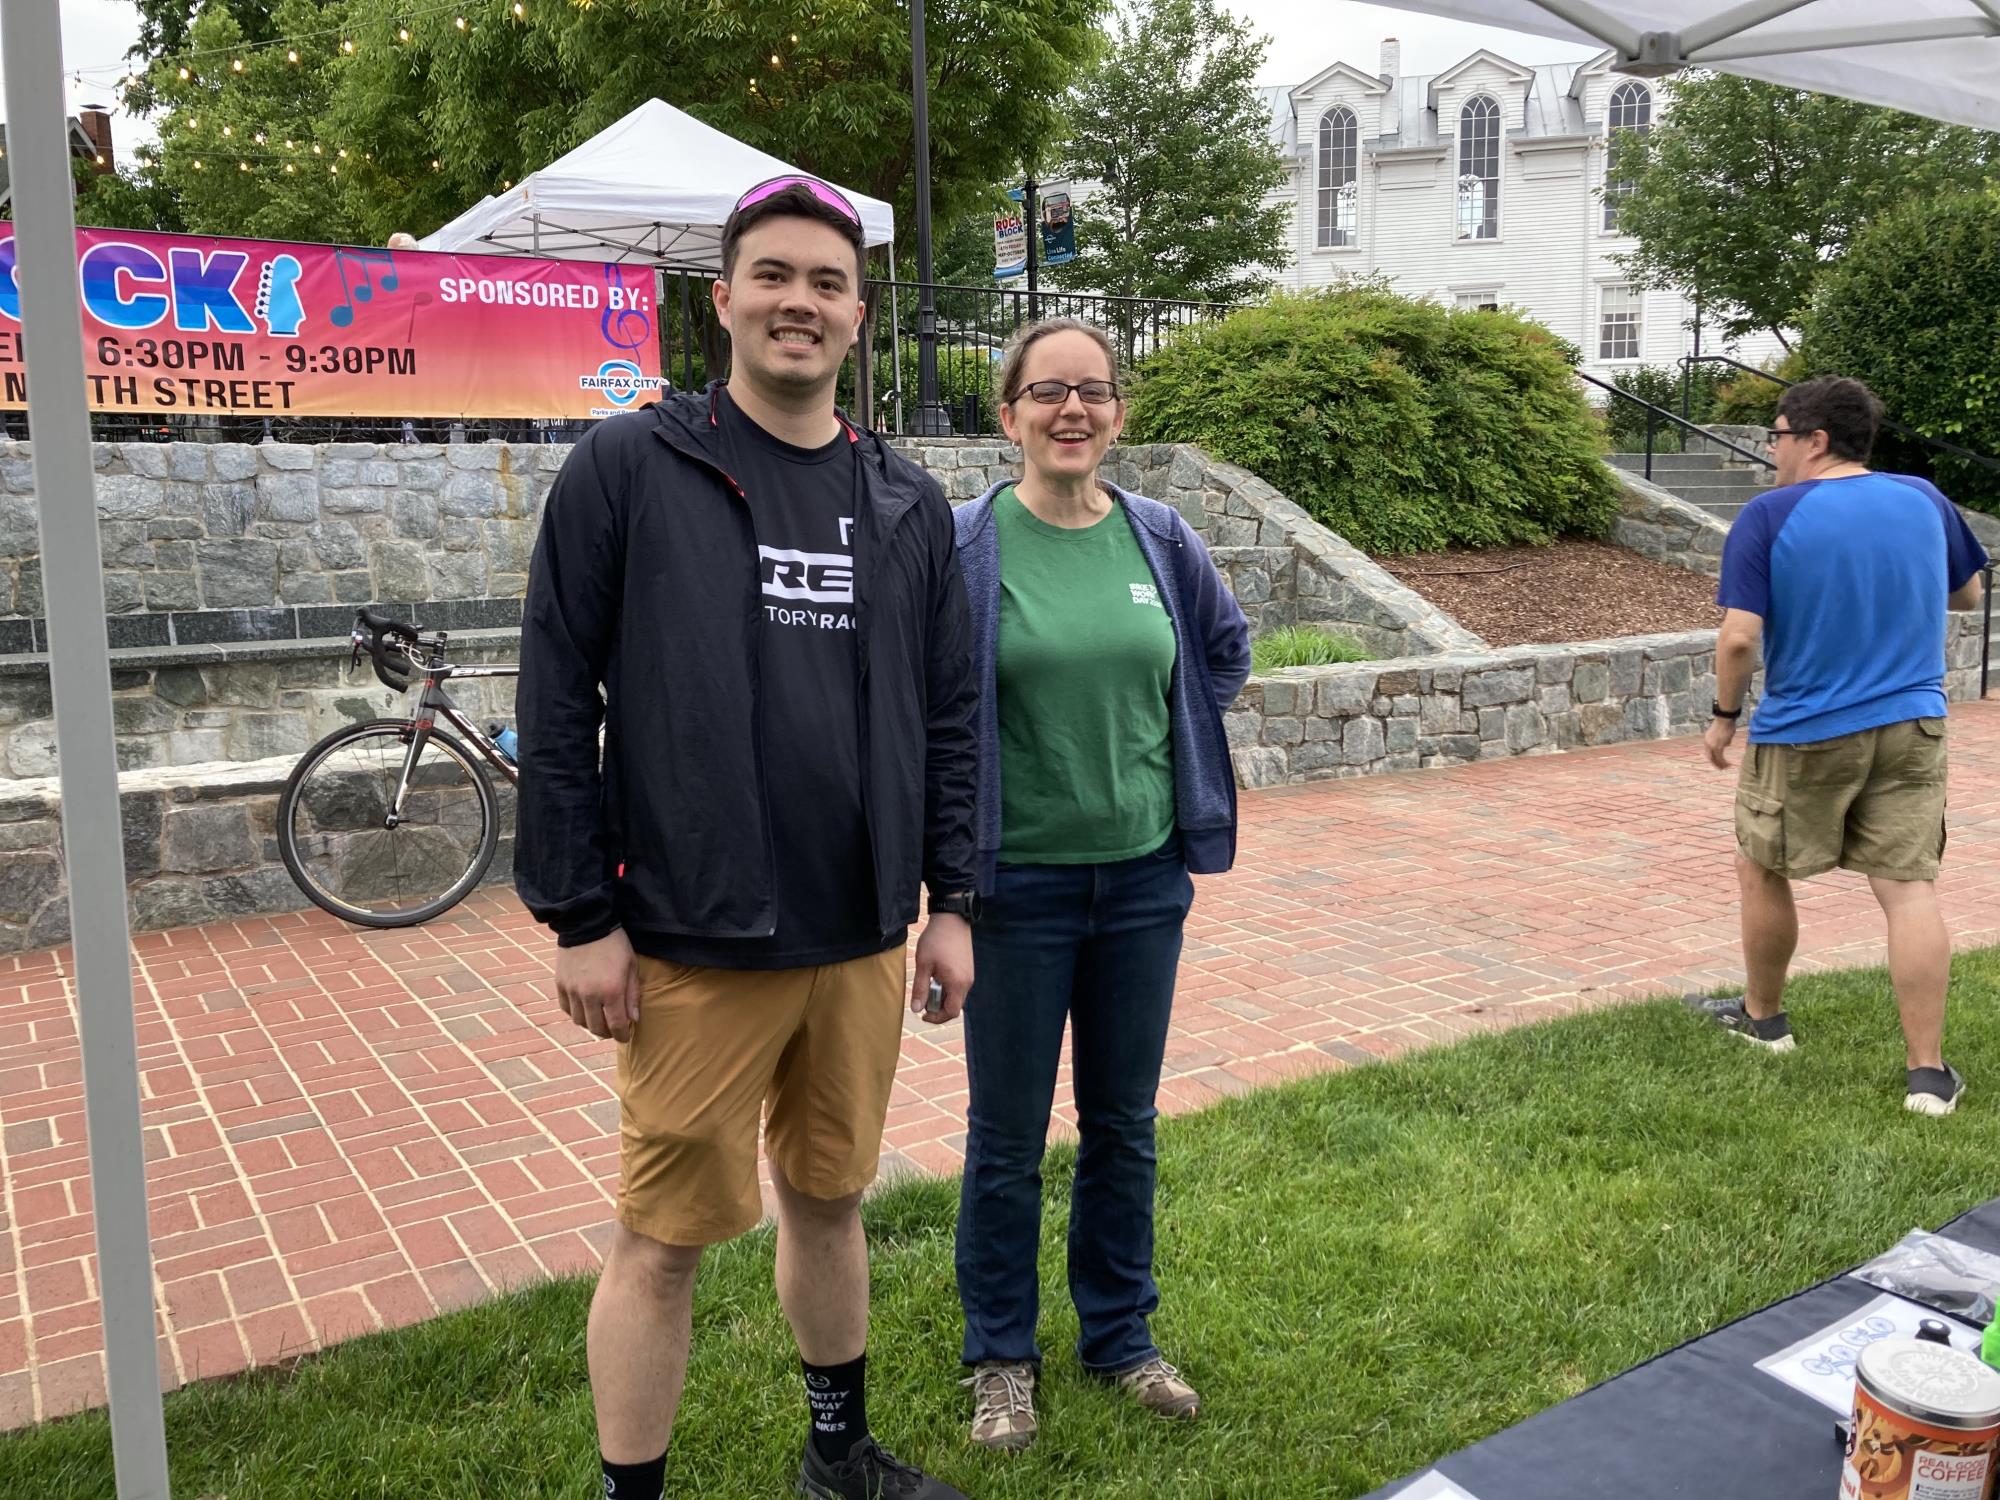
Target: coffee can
{"type": "Point", "coordinates": [1926, 1424]}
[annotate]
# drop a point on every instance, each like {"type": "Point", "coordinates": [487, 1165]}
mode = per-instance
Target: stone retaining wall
{"type": "Point", "coordinates": [200, 846]}
{"type": "Point", "coordinates": [1666, 528]}
{"type": "Point", "coordinates": [186, 706]}
{"type": "Point", "coordinates": [1283, 566]}
{"type": "Point", "coordinates": [1314, 723]}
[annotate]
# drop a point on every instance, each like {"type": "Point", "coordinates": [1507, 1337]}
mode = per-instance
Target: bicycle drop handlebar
{"type": "Point", "coordinates": [373, 631]}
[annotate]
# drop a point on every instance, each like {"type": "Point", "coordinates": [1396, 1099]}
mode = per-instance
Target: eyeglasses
{"type": "Point", "coordinates": [1055, 392]}
{"type": "Point", "coordinates": [832, 198]}
{"type": "Point", "coordinates": [1772, 434]}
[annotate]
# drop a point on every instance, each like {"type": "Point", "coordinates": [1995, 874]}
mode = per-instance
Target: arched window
{"type": "Point", "coordinates": [1339, 153]}
{"type": "Point", "coordinates": [1479, 169]}
{"type": "Point", "coordinates": [1631, 109]}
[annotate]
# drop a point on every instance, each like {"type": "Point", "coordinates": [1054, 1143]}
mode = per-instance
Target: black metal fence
{"type": "Point", "coordinates": [973, 326]}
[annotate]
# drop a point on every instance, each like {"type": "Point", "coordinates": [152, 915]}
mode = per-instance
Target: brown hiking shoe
{"type": "Point", "coordinates": [1157, 1386]}
{"type": "Point", "coordinates": [1003, 1406]}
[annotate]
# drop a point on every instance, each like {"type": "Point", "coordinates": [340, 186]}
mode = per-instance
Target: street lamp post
{"type": "Point", "coordinates": [932, 419]}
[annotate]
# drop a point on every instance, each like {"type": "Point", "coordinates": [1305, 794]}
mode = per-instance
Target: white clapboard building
{"type": "Point", "coordinates": [1484, 185]}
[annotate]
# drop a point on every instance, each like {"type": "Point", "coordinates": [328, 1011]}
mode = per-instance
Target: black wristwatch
{"type": "Point", "coordinates": [964, 904]}
{"type": "Point", "coordinates": [1722, 713]}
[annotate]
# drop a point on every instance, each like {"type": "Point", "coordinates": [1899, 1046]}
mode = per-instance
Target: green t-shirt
{"type": "Point", "coordinates": [1084, 671]}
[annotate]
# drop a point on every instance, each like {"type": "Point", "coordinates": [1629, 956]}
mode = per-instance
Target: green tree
{"type": "Point", "coordinates": [1172, 127]}
{"type": "Point", "coordinates": [130, 198]}
{"type": "Point", "coordinates": [826, 89]}
{"type": "Point", "coordinates": [1914, 310]}
{"type": "Point", "coordinates": [1745, 191]}
{"type": "Point", "coordinates": [244, 144]}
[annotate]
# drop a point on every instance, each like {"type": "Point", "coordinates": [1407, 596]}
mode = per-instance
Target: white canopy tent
{"type": "Point", "coordinates": [653, 189]}
{"type": "Point", "coordinates": [1939, 58]}
{"type": "Point", "coordinates": [1935, 58]}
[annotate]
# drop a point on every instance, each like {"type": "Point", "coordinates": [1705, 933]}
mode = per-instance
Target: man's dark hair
{"type": "Point", "coordinates": [1845, 410]}
{"type": "Point", "coordinates": [791, 203]}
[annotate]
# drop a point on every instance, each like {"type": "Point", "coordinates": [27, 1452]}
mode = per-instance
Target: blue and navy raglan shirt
{"type": "Point", "coordinates": [1850, 576]}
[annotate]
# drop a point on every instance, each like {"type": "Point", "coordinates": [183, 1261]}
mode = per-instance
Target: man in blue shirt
{"type": "Point", "coordinates": [1845, 576]}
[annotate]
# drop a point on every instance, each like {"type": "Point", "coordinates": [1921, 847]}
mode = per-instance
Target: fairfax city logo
{"type": "Point", "coordinates": [620, 381]}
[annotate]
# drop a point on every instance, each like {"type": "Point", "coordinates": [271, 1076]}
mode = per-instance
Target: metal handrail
{"type": "Point", "coordinates": [1654, 412]}
{"type": "Point", "coordinates": [1983, 460]}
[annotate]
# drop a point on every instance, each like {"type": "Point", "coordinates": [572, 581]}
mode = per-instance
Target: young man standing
{"type": "Point", "coordinates": [1846, 576]}
{"type": "Point", "coordinates": [769, 601]}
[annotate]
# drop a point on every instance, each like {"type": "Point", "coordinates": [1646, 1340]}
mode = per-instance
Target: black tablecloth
{"type": "Point", "coordinates": [1700, 1420]}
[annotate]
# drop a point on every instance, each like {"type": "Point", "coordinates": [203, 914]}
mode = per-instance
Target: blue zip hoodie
{"type": "Point", "coordinates": [1207, 678]}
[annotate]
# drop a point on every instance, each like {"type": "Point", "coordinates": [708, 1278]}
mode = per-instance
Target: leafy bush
{"type": "Point", "coordinates": [1625, 424]}
{"type": "Point", "coordinates": [1303, 646]}
{"type": "Point", "coordinates": [1748, 401]}
{"type": "Point", "coordinates": [1913, 309]}
{"type": "Point", "coordinates": [1400, 424]}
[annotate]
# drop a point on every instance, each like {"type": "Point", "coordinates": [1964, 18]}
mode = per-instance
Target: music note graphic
{"type": "Point", "coordinates": [343, 315]}
{"type": "Point", "coordinates": [278, 301]}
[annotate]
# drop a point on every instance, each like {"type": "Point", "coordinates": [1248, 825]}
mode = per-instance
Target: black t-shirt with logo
{"type": "Point", "coordinates": [803, 508]}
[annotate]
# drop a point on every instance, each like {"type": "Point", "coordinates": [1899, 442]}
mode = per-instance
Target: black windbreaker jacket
{"type": "Point", "coordinates": [645, 580]}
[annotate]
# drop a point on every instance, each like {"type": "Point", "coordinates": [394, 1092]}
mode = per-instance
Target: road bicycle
{"type": "Point", "coordinates": [392, 822]}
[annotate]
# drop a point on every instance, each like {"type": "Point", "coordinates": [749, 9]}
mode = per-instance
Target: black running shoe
{"type": "Point", "coordinates": [1934, 1091]}
{"type": "Point", "coordinates": [1774, 1034]}
{"type": "Point", "coordinates": [868, 1473]}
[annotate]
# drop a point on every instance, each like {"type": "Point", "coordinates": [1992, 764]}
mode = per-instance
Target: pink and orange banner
{"type": "Point", "coordinates": [185, 323]}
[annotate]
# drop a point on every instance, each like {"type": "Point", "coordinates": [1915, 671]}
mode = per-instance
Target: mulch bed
{"type": "Point", "coordinates": [1569, 591]}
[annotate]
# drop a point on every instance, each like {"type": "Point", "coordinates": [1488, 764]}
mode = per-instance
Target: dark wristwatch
{"type": "Point", "coordinates": [1722, 713]}
{"type": "Point", "coordinates": [964, 904]}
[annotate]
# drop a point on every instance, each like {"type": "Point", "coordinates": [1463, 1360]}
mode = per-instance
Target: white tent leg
{"type": "Point", "coordinates": [895, 335]}
{"type": "Point", "coordinates": [80, 672]}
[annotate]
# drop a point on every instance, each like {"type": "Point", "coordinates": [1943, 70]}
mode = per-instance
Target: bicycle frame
{"type": "Point", "coordinates": [433, 702]}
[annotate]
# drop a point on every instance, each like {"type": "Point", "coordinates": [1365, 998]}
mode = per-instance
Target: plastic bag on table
{"type": "Point", "coordinates": [1938, 1272]}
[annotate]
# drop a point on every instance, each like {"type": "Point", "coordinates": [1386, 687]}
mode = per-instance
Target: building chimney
{"type": "Point", "coordinates": [1392, 71]}
{"type": "Point", "coordinates": [1392, 60]}
{"type": "Point", "coordinates": [96, 122]}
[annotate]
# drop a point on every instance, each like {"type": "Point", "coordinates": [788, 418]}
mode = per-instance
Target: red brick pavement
{"type": "Point", "coordinates": [349, 1131]}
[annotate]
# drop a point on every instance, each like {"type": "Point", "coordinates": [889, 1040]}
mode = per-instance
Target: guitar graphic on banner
{"type": "Point", "coordinates": [278, 303]}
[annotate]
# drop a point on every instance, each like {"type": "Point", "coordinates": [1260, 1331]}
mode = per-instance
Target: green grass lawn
{"type": "Point", "coordinates": [1361, 1272]}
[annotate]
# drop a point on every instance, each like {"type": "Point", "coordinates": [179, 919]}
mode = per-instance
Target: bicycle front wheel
{"type": "Point", "coordinates": [352, 858]}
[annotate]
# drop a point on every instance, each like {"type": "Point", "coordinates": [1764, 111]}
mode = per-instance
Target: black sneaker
{"type": "Point", "coordinates": [868, 1473]}
{"type": "Point", "coordinates": [1773, 1034]}
{"type": "Point", "coordinates": [1934, 1091]}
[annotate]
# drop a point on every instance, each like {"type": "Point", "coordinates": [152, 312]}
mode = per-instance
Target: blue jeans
{"type": "Point", "coordinates": [1096, 945]}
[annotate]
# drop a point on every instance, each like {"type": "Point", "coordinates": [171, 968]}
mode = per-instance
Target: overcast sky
{"type": "Point", "coordinates": [1306, 35]}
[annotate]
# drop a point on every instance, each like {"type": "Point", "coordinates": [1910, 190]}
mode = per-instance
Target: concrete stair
{"type": "Point", "coordinates": [1721, 489]}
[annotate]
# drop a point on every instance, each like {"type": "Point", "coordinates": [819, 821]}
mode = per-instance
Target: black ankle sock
{"type": "Point", "coordinates": [836, 1394]}
{"type": "Point", "coordinates": [646, 1481]}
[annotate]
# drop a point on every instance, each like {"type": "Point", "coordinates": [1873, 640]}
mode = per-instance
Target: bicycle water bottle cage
{"type": "Point", "coordinates": [394, 670]}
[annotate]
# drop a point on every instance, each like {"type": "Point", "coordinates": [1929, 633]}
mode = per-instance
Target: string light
{"type": "Point", "coordinates": [520, 10]}
{"type": "Point", "coordinates": [288, 166]}
{"type": "Point", "coordinates": [402, 33]}
{"type": "Point", "coordinates": [343, 153]}
{"type": "Point", "coordinates": [185, 75]}
{"type": "Point", "coordinates": [243, 166]}
{"type": "Point", "coordinates": [435, 165]}
{"type": "Point", "coordinates": [347, 46]}
{"type": "Point", "coordinates": [197, 163]}
{"type": "Point", "coordinates": [228, 130]}
{"type": "Point", "coordinates": [236, 65]}
{"type": "Point", "coordinates": [291, 54]}
{"type": "Point", "coordinates": [316, 150]}
{"type": "Point", "coordinates": [774, 61]}
{"type": "Point", "coordinates": [461, 23]}
{"type": "Point", "coordinates": [260, 137]}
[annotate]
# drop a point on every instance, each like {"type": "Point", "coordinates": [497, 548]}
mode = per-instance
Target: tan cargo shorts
{"type": "Point", "coordinates": [1871, 802]}
{"type": "Point", "coordinates": [812, 1051]}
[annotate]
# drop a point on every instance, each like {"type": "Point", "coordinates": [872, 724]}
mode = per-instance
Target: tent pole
{"type": "Point", "coordinates": [1588, 18]}
{"type": "Point", "coordinates": [1735, 21]}
{"type": "Point", "coordinates": [895, 334]}
{"type": "Point", "coordinates": [86, 752]}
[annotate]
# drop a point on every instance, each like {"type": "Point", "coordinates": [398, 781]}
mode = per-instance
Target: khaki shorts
{"type": "Point", "coordinates": [713, 1048]}
{"type": "Point", "coordinates": [1871, 802]}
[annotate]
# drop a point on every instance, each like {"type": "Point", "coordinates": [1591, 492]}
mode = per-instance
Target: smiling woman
{"type": "Point", "coordinates": [1106, 646]}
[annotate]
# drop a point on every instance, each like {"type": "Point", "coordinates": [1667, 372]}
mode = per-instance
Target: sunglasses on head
{"type": "Point", "coordinates": [831, 197]}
